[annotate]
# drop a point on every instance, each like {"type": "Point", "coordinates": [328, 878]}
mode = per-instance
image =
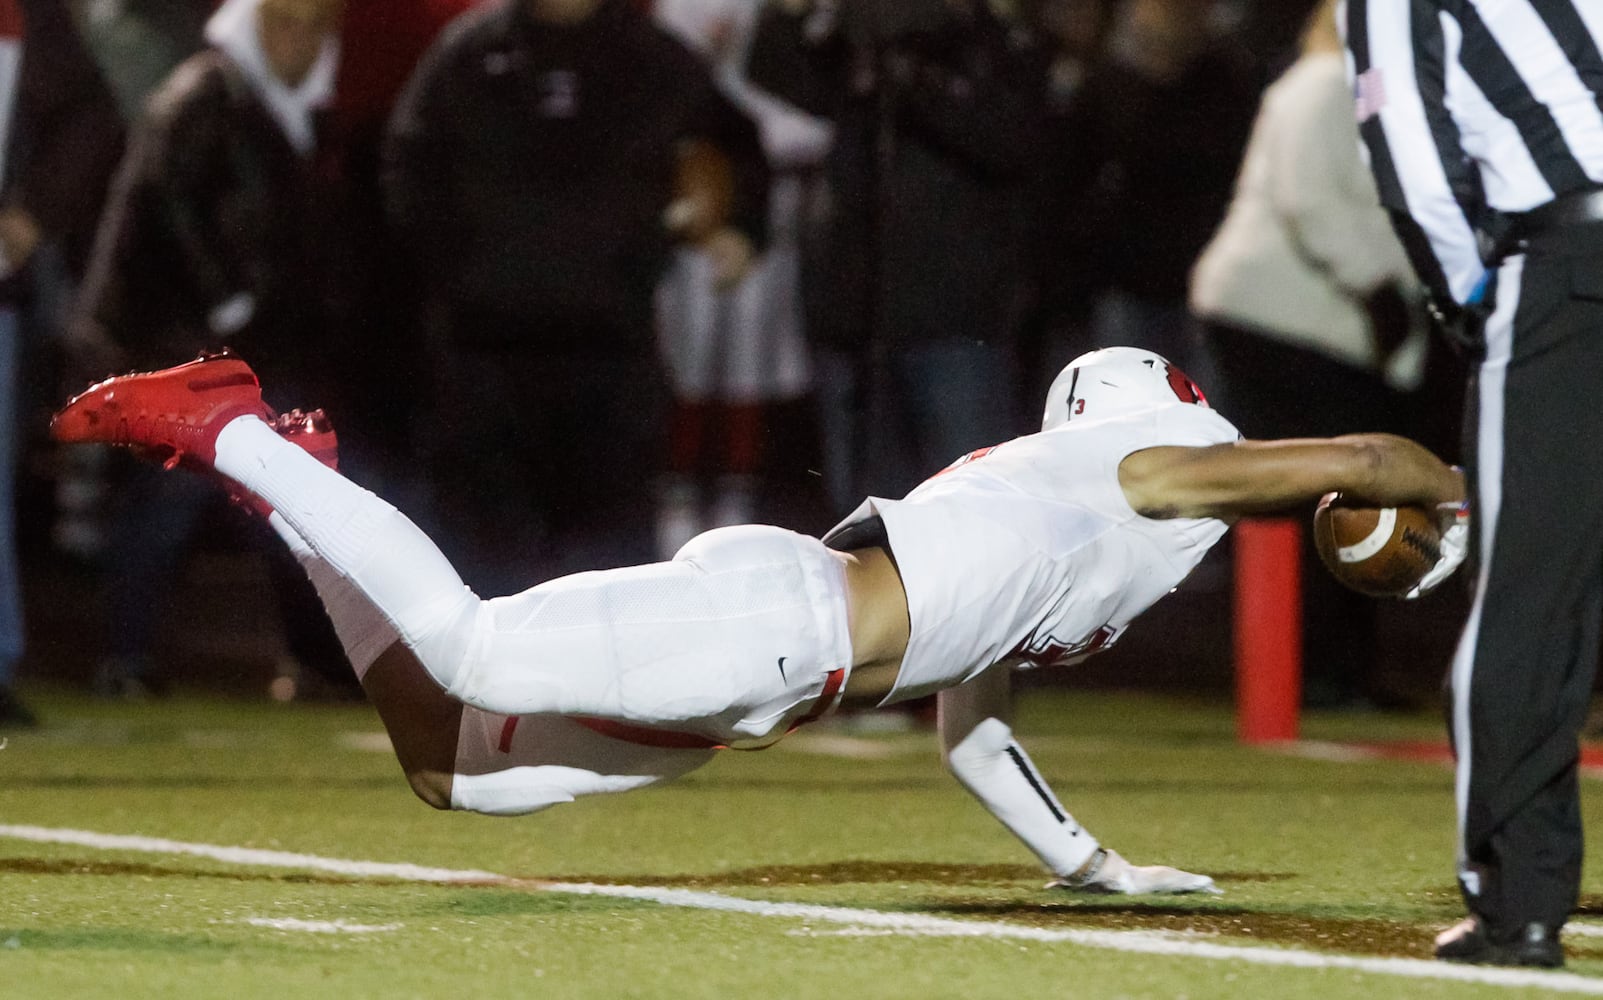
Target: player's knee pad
{"type": "Point", "coordinates": [741, 546]}
{"type": "Point", "coordinates": [512, 792]}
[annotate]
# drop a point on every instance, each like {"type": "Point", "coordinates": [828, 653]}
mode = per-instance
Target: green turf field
{"type": "Point", "coordinates": [1333, 861]}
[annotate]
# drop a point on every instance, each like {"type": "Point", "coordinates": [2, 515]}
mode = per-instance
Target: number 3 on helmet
{"type": "Point", "coordinates": [1115, 381]}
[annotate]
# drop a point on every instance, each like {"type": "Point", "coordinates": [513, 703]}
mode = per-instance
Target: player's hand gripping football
{"type": "Point", "coordinates": [1454, 521]}
{"type": "Point", "coordinates": [1113, 875]}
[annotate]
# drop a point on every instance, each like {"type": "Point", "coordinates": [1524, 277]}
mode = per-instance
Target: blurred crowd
{"type": "Point", "coordinates": [578, 279]}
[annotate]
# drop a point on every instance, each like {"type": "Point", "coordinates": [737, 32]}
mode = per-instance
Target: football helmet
{"type": "Point", "coordinates": [1114, 381]}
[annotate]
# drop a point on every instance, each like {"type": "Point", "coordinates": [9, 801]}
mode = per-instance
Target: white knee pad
{"type": "Point", "coordinates": [516, 791]}
{"type": "Point", "coordinates": [507, 766]}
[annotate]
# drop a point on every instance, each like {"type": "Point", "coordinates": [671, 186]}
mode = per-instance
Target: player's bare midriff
{"type": "Point", "coordinates": [876, 611]}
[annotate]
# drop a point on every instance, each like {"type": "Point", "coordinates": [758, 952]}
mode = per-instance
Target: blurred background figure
{"type": "Point", "coordinates": [138, 42]}
{"type": "Point", "coordinates": [1310, 308]}
{"type": "Point", "coordinates": [938, 109]}
{"type": "Point", "coordinates": [735, 352]}
{"type": "Point", "coordinates": [59, 137]}
{"type": "Point", "coordinates": [381, 358]}
{"type": "Point", "coordinates": [531, 164]}
{"type": "Point", "coordinates": [1064, 271]}
{"type": "Point", "coordinates": [219, 233]}
{"type": "Point", "coordinates": [1151, 157]}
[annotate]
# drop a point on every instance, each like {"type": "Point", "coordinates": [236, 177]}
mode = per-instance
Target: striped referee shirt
{"type": "Point", "coordinates": [1472, 108]}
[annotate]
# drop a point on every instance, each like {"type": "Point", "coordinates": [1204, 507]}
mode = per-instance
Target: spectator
{"type": "Point", "coordinates": [735, 352]}
{"type": "Point", "coordinates": [138, 42]}
{"type": "Point", "coordinates": [532, 159]}
{"type": "Point", "coordinates": [218, 234]}
{"type": "Point", "coordinates": [937, 108]}
{"type": "Point", "coordinates": [382, 41]}
{"type": "Point", "coordinates": [1063, 262]}
{"type": "Point", "coordinates": [1305, 293]}
{"type": "Point", "coordinates": [1165, 117]}
{"type": "Point", "coordinates": [58, 140]}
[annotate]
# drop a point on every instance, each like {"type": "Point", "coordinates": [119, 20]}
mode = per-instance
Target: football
{"type": "Point", "coordinates": [1379, 551]}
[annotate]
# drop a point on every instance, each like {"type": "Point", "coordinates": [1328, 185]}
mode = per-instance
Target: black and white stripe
{"type": "Point", "coordinates": [1516, 85]}
{"type": "Point", "coordinates": [1027, 768]}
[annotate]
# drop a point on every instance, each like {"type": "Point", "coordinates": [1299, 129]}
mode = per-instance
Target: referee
{"type": "Point", "coordinates": [1484, 125]}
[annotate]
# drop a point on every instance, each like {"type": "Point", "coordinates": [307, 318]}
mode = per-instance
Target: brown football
{"type": "Point", "coordinates": [1379, 551]}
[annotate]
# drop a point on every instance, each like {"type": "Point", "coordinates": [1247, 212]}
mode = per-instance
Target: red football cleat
{"type": "Point", "coordinates": [176, 413]}
{"type": "Point", "coordinates": [312, 432]}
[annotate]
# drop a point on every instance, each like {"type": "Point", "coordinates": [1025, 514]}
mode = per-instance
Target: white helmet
{"type": "Point", "coordinates": [1114, 381]}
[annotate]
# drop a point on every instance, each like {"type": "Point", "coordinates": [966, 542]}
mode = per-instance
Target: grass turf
{"type": "Point", "coordinates": [1341, 858]}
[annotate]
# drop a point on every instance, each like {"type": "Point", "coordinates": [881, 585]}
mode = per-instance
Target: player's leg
{"type": "Point", "coordinates": [701, 641]}
{"type": "Point", "coordinates": [692, 642]}
{"type": "Point", "coordinates": [458, 757]}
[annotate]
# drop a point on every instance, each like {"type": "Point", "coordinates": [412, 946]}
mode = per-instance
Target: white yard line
{"type": "Point", "coordinates": [860, 921]}
{"type": "Point", "coordinates": [317, 926]}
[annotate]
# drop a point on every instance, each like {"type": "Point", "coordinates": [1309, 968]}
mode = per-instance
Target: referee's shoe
{"type": "Point", "coordinates": [1467, 942]}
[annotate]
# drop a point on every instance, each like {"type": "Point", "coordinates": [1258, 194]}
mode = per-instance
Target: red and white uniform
{"type": "Point", "coordinates": [1029, 553]}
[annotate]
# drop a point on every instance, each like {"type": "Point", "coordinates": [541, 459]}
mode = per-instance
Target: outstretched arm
{"type": "Point", "coordinates": [979, 748]}
{"type": "Point", "coordinates": [1227, 481]}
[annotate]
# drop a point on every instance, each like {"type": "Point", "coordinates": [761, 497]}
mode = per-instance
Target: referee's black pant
{"type": "Point", "coordinates": [1522, 676]}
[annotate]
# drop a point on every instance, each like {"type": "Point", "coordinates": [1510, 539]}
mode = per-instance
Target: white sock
{"type": "Point", "coordinates": [362, 628]}
{"type": "Point", "coordinates": [997, 771]}
{"type": "Point", "coordinates": [361, 539]}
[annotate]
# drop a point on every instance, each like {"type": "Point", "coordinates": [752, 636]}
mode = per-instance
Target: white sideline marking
{"type": "Point", "coordinates": [1141, 942]}
{"type": "Point", "coordinates": [244, 855]}
{"type": "Point", "coordinates": [317, 926]}
{"type": "Point", "coordinates": [1583, 930]}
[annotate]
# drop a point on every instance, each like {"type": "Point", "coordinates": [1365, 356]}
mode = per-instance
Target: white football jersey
{"type": "Point", "coordinates": [1029, 553]}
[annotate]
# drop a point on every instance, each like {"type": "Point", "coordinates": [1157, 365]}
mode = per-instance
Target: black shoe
{"type": "Point", "coordinates": [13, 713]}
{"type": "Point", "coordinates": [1467, 941]}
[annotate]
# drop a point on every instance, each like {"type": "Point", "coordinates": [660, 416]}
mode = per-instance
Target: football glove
{"type": "Point", "coordinates": [1454, 521]}
{"type": "Point", "coordinates": [1108, 873]}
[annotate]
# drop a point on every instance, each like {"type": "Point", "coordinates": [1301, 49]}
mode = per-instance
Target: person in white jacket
{"type": "Point", "coordinates": [1308, 302]}
{"type": "Point", "coordinates": [1305, 254]}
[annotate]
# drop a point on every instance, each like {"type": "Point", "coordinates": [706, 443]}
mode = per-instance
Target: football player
{"type": "Point", "coordinates": [1038, 551]}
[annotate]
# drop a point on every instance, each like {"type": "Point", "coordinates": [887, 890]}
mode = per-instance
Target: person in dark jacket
{"type": "Point", "coordinates": [218, 234]}
{"type": "Point", "coordinates": [59, 139]}
{"type": "Point", "coordinates": [531, 163]}
{"type": "Point", "coordinates": [938, 108]}
{"type": "Point", "coordinates": [1146, 162]}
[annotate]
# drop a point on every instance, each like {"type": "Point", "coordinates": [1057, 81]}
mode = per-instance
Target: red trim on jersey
{"type": "Point", "coordinates": [507, 729]}
{"type": "Point", "coordinates": [972, 456]}
{"type": "Point", "coordinates": [826, 700]}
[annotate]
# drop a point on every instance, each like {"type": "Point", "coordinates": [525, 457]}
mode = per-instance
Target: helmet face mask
{"type": "Point", "coordinates": [1115, 381]}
